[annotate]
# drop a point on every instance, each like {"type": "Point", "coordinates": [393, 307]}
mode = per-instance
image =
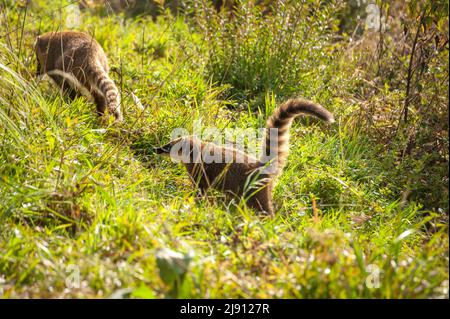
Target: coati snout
{"type": "Point", "coordinates": [165, 149]}
{"type": "Point", "coordinates": [182, 149]}
{"type": "Point", "coordinates": [244, 175]}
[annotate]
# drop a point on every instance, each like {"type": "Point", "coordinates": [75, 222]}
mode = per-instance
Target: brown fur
{"type": "Point", "coordinates": [67, 54]}
{"type": "Point", "coordinates": [233, 177]}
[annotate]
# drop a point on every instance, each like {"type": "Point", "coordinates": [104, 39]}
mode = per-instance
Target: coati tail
{"type": "Point", "coordinates": [276, 144]}
{"type": "Point", "coordinates": [108, 89]}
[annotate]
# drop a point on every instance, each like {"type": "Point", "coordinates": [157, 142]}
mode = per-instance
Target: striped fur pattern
{"type": "Point", "coordinates": [281, 120]}
{"type": "Point", "coordinates": [78, 64]}
{"type": "Point", "coordinates": [233, 177]}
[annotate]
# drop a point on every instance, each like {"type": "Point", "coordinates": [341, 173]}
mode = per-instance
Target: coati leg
{"type": "Point", "coordinates": [66, 88]}
{"type": "Point", "coordinates": [262, 201]}
{"type": "Point", "coordinates": [100, 102]}
{"type": "Point", "coordinates": [199, 181]}
{"type": "Point", "coordinates": [201, 186]}
{"type": "Point", "coordinates": [38, 67]}
{"type": "Point", "coordinates": [260, 205]}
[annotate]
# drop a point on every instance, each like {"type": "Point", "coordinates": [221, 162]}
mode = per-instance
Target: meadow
{"type": "Point", "coordinates": [88, 210]}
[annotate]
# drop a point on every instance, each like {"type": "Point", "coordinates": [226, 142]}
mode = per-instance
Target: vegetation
{"type": "Point", "coordinates": [88, 210]}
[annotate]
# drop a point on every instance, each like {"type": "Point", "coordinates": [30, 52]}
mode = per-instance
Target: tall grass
{"type": "Point", "coordinates": [285, 52]}
{"type": "Point", "coordinates": [79, 199]}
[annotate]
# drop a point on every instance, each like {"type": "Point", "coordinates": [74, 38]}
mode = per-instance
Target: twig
{"type": "Point", "coordinates": [404, 113]}
{"type": "Point", "coordinates": [315, 212]}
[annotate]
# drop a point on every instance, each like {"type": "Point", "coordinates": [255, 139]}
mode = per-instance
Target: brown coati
{"type": "Point", "coordinates": [78, 64]}
{"type": "Point", "coordinates": [233, 171]}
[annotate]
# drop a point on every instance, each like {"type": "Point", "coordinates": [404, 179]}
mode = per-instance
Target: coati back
{"type": "Point", "coordinates": [240, 174]}
{"type": "Point", "coordinates": [77, 63]}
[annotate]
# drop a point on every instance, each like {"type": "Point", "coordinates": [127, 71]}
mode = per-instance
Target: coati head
{"type": "Point", "coordinates": [185, 149]}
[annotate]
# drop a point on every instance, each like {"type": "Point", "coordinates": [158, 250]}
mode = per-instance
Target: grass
{"type": "Point", "coordinates": [87, 210]}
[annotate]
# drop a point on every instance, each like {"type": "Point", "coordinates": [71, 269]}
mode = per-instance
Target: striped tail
{"type": "Point", "coordinates": [106, 86]}
{"type": "Point", "coordinates": [276, 144]}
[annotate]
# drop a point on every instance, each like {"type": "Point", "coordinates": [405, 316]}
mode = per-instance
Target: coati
{"type": "Point", "coordinates": [241, 174]}
{"type": "Point", "coordinates": [77, 63]}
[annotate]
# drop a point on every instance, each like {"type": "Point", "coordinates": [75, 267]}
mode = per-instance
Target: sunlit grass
{"type": "Point", "coordinates": [80, 197]}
